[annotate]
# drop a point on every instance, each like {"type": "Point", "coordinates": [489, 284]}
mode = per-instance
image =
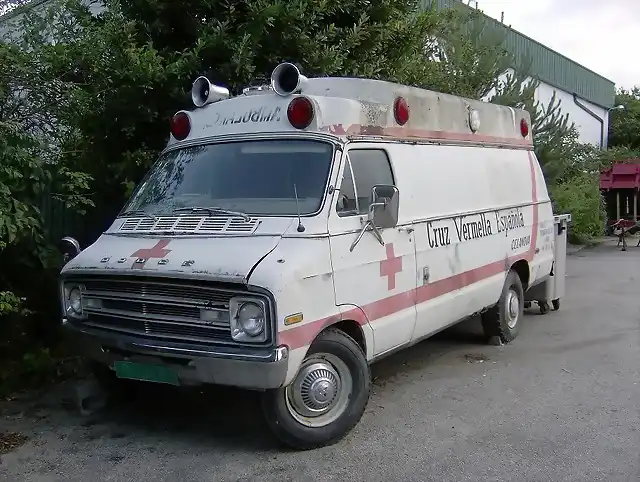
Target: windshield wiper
{"type": "Point", "coordinates": [213, 210]}
{"type": "Point", "coordinates": [138, 212]}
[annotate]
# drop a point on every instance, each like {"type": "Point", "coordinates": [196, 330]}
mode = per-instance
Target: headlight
{"type": "Point", "coordinates": [251, 319]}
{"type": "Point", "coordinates": [248, 320]}
{"type": "Point", "coordinates": [73, 301]}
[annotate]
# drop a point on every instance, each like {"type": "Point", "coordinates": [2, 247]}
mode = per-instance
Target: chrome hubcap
{"type": "Point", "coordinates": [320, 392]}
{"type": "Point", "coordinates": [512, 309]}
{"type": "Point", "coordinates": [319, 385]}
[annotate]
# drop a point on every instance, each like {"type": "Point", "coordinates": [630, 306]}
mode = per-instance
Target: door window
{"type": "Point", "coordinates": [365, 168]}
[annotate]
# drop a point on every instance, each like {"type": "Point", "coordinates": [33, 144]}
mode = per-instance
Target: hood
{"type": "Point", "coordinates": [216, 258]}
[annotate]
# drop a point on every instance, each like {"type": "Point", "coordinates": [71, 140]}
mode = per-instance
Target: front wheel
{"type": "Point", "coordinates": [327, 397]}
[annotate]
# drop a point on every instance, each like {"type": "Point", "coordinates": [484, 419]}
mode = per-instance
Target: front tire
{"type": "Point", "coordinates": [326, 399]}
{"type": "Point", "coordinates": [504, 319]}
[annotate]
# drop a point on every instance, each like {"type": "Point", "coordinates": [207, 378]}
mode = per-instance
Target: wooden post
{"type": "Point", "coordinates": [617, 205]}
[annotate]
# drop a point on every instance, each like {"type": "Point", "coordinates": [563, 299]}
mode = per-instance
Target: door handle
{"type": "Point", "coordinates": [408, 230]}
{"type": "Point", "coordinates": [425, 275]}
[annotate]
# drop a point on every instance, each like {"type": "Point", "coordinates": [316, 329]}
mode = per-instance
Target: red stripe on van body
{"type": "Point", "coordinates": [412, 133]}
{"type": "Point", "coordinates": [303, 335]}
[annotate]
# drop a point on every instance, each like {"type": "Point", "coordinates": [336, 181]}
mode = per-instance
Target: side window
{"type": "Point", "coordinates": [370, 167]}
{"type": "Point", "coordinates": [347, 204]}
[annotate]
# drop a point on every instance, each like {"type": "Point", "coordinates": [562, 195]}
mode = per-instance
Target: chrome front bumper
{"type": "Point", "coordinates": [258, 369]}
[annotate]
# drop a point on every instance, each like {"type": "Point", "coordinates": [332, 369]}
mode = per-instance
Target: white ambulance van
{"type": "Point", "coordinates": [288, 237]}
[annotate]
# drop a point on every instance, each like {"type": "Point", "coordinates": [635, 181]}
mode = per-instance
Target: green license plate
{"type": "Point", "coordinates": [146, 373]}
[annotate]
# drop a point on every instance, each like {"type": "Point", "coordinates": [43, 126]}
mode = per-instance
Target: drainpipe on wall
{"type": "Point", "coordinates": [594, 115]}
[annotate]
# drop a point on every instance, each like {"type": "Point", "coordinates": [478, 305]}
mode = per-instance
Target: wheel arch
{"type": "Point", "coordinates": [523, 270]}
{"type": "Point", "coordinates": [351, 321]}
{"type": "Point", "coordinates": [353, 329]}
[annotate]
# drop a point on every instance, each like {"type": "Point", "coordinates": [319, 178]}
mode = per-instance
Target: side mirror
{"type": "Point", "coordinates": [383, 210]}
{"type": "Point", "coordinates": [69, 247]}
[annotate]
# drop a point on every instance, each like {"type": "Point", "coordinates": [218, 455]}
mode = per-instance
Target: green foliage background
{"type": "Point", "coordinates": [624, 125]}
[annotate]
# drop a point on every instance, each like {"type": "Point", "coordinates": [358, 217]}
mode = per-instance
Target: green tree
{"type": "Point", "coordinates": [624, 125]}
{"type": "Point", "coordinates": [112, 82]}
{"type": "Point", "coordinates": [120, 76]}
{"type": "Point", "coordinates": [29, 170]}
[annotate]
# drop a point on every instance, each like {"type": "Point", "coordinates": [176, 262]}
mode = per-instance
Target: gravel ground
{"type": "Point", "coordinates": [561, 403]}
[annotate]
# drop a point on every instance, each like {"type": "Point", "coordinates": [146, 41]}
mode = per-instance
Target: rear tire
{"type": "Point", "coordinates": [326, 399]}
{"type": "Point", "coordinates": [505, 318]}
{"type": "Point", "coordinates": [556, 304]}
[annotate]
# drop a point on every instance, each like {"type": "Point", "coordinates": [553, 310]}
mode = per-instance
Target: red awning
{"type": "Point", "coordinates": [623, 175]}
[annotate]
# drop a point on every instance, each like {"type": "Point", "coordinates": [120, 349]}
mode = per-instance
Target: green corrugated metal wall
{"type": "Point", "coordinates": [59, 221]}
{"type": "Point", "coordinates": [548, 65]}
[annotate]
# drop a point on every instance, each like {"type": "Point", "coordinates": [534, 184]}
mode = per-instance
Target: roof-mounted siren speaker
{"type": "Point", "coordinates": [286, 79]}
{"type": "Point", "coordinates": [204, 92]}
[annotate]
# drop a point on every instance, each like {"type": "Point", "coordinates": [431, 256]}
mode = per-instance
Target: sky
{"type": "Point", "coordinates": [6, 5]}
{"type": "Point", "coordinates": [602, 35]}
{"type": "Point", "coordinates": [598, 34]}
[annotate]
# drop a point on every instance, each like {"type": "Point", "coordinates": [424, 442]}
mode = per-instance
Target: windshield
{"type": "Point", "coordinates": [252, 177]}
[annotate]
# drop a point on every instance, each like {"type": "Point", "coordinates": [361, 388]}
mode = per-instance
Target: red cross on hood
{"type": "Point", "coordinates": [229, 259]}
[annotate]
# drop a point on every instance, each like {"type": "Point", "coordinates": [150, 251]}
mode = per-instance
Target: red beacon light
{"type": "Point", "coordinates": [401, 111]}
{"type": "Point", "coordinates": [180, 126]}
{"type": "Point", "coordinates": [524, 127]}
{"type": "Point", "coordinates": [300, 112]}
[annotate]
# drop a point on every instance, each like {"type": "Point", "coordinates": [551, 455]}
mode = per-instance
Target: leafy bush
{"type": "Point", "coordinates": [10, 303]}
{"type": "Point", "coordinates": [624, 125]}
{"type": "Point", "coordinates": [580, 196]}
{"type": "Point", "coordinates": [30, 169]}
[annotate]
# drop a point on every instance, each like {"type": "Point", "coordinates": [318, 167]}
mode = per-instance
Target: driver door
{"type": "Point", "coordinates": [380, 279]}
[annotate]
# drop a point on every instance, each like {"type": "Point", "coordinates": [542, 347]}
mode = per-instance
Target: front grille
{"type": "Point", "coordinates": [155, 308]}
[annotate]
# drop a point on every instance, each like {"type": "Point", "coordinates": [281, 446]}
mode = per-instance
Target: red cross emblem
{"type": "Point", "coordinates": [144, 255]}
{"type": "Point", "coordinates": [390, 267]}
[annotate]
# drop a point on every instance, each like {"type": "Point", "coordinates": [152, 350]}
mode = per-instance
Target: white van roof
{"type": "Point", "coordinates": [352, 108]}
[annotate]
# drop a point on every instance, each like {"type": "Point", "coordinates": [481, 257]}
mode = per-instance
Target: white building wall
{"type": "Point", "coordinates": [589, 128]}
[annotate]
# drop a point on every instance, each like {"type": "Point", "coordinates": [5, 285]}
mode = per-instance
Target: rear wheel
{"type": "Point", "coordinates": [544, 307]}
{"type": "Point", "coordinates": [327, 397]}
{"type": "Point", "coordinates": [504, 319]}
